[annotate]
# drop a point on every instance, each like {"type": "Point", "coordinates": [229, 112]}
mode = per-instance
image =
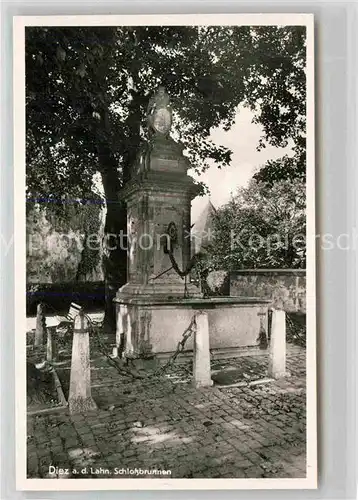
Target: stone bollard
{"type": "Point", "coordinates": [80, 399]}
{"type": "Point", "coordinates": [51, 351]}
{"type": "Point", "coordinates": [40, 325]}
{"type": "Point", "coordinates": [201, 362]}
{"type": "Point", "coordinates": [263, 343]}
{"type": "Point", "coordinates": [277, 361]}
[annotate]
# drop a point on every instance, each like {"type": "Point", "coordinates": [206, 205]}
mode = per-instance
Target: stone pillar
{"type": "Point", "coordinates": [201, 359]}
{"type": "Point", "coordinates": [40, 325]}
{"type": "Point", "coordinates": [80, 399]}
{"type": "Point", "coordinates": [119, 332]}
{"type": "Point", "coordinates": [277, 361]}
{"type": "Point", "coordinates": [51, 351]}
{"type": "Point", "coordinates": [297, 288]}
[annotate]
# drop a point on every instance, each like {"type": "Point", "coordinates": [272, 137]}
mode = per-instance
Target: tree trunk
{"type": "Point", "coordinates": [114, 253]}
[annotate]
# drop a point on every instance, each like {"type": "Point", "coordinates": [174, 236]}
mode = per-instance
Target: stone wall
{"type": "Point", "coordinates": [56, 248]}
{"type": "Point", "coordinates": [285, 287]}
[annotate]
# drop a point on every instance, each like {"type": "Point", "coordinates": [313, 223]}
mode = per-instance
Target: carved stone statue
{"type": "Point", "coordinates": [159, 113]}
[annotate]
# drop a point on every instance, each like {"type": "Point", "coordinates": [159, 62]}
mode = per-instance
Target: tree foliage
{"type": "Point", "coordinates": [261, 227]}
{"type": "Point", "coordinates": [285, 168]}
{"type": "Point", "coordinates": [88, 88]}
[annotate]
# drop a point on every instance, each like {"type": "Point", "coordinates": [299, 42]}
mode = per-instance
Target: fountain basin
{"type": "Point", "coordinates": [155, 324]}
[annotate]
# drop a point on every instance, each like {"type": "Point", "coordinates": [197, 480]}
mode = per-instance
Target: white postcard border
{"type": "Point", "coordinates": [24, 483]}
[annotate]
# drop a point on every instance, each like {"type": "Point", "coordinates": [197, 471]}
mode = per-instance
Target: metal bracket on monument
{"type": "Point", "coordinates": [172, 232]}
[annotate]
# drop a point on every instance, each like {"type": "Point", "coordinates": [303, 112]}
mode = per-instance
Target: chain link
{"type": "Point", "coordinates": [188, 332]}
{"type": "Point", "coordinates": [180, 346]}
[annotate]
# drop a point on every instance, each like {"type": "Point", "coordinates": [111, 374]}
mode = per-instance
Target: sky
{"type": "Point", "coordinates": [242, 139]}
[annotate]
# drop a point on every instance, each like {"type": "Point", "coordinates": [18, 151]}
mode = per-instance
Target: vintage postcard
{"type": "Point", "coordinates": [165, 252]}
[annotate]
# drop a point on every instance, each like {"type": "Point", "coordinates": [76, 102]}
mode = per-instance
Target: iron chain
{"type": "Point", "coordinates": [180, 346]}
{"type": "Point", "coordinates": [188, 332]}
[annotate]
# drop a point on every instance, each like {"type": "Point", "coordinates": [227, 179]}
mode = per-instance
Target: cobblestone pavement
{"type": "Point", "coordinates": [233, 431]}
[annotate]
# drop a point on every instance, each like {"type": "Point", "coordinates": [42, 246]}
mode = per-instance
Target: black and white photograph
{"type": "Point", "coordinates": [165, 250]}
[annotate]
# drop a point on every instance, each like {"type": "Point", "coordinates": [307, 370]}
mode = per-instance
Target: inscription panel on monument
{"type": "Point", "coordinates": [165, 165]}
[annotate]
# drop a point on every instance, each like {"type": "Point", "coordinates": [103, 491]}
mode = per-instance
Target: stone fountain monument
{"type": "Point", "coordinates": [157, 303]}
